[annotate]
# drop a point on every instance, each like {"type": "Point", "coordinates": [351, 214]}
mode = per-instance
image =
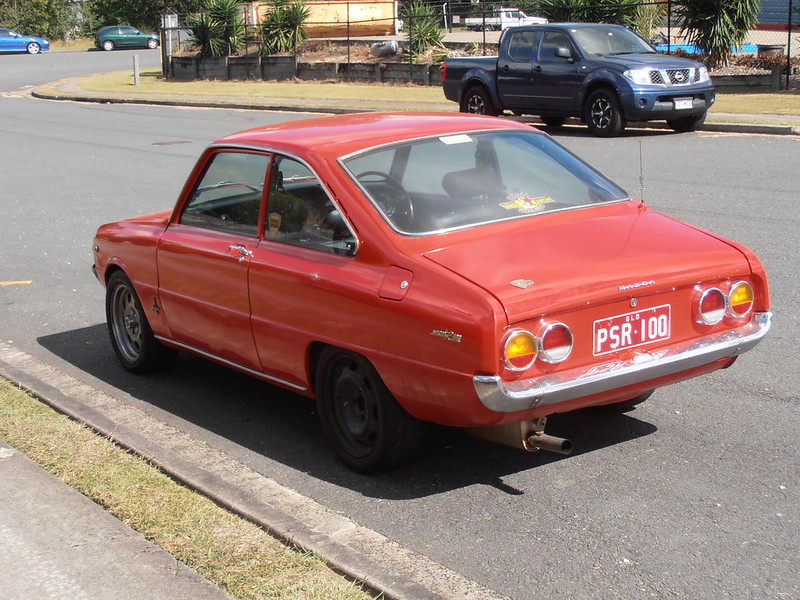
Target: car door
{"type": "Point", "coordinates": [514, 83]}
{"type": "Point", "coordinates": [204, 256]}
{"type": "Point", "coordinates": [9, 42]}
{"type": "Point", "coordinates": [556, 79]}
{"type": "Point", "coordinates": [305, 283]}
{"type": "Point", "coordinates": [128, 38]}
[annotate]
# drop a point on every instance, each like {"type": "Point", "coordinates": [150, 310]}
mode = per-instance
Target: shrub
{"type": "Point", "coordinates": [284, 30]}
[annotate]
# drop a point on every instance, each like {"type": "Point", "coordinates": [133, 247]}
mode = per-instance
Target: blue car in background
{"type": "Point", "coordinates": [11, 41]}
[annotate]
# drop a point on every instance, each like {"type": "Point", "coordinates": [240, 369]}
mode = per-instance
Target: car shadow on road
{"type": "Point", "coordinates": [282, 427]}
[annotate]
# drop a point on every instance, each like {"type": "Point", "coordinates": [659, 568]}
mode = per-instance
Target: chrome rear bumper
{"type": "Point", "coordinates": [500, 396]}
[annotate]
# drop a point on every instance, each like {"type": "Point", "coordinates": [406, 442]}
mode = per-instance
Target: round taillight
{"type": "Point", "coordinates": [520, 350]}
{"type": "Point", "coordinates": [711, 306]}
{"type": "Point", "coordinates": [740, 299]}
{"type": "Point", "coordinates": [555, 343]}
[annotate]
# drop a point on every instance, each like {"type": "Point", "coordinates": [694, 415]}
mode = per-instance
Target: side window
{"type": "Point", "coordinates": [521, 45]}
{"type": "Point", "coordinates": [127, 31]}
{"type": "Point", "coordinates": [228, 196]}
{"type": "Point", "coordinates": [552, 40]}
{"type": "Point", "coordinates": [299, 211]}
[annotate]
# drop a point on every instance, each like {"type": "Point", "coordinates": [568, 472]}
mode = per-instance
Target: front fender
{"type": "Point", "coordinates": [603, 78]}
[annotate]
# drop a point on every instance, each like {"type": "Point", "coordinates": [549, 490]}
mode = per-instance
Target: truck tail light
{"type": "Point", "coordinates": [555, 343]}
{"type": "Point", "coordinates": [740, 299]}
{"type": "Point", "coordinates": [520, 350]}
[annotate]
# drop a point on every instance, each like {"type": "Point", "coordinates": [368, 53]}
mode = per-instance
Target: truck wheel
{"type": "Point", "coordinates": [367, 428]}
{"type": "Point", "coordinates": [477, 101]}
{"type": "Point", "coordinates": [686, 124]}
{"type": "Point", "coordinates": [603, 114]}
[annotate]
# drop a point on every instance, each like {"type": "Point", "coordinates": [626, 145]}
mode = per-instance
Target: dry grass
{"type": "Point", "coordinates": [233, 553]}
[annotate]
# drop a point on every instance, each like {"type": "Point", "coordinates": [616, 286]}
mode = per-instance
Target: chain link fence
{"type": "Point", "coordinates": [375, 30]}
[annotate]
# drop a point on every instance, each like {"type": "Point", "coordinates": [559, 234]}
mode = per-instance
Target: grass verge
{"type": "Point", "coordinates": [234, 554]}
{"type": "Point", "coordinates": [150, 82]}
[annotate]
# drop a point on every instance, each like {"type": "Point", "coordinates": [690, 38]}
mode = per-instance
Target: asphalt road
{"type": "Point", "coordinates": [692, 495]}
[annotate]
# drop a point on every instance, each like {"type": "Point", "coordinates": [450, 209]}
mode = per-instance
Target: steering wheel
{"type": "Point", "coordinates": [391, 196]}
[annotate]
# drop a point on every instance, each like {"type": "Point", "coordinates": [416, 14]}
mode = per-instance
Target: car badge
{"type": "Point", "coordinates": [522, 284]}
{"type": "Point", "coordinates": [633, 286]}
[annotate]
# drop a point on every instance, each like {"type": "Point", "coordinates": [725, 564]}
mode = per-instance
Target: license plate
{"type": "Point", "coordinates": [683, 103]}
{"type": "Point", "coordinates": [632, 329]}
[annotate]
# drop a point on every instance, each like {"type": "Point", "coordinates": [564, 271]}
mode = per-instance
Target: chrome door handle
{"type": "Point", "coordinates": [243, 252]}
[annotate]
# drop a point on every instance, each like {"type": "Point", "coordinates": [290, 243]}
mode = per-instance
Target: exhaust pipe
{"type": "Point", "coordinates": [527, 435]}
{"type": "Point", "coordinates": [542, 441]}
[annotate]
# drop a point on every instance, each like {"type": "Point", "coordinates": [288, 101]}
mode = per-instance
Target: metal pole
{"type": "Point", "coordinates": [789, 46]}
{"type": "Point", "coordinates": [135, 69]}
{"type": "Point", "coordinates": [669, 27]}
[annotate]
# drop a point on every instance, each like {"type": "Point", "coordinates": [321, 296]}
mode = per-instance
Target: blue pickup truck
{"type": "Point", "coordinates": [606, 75]}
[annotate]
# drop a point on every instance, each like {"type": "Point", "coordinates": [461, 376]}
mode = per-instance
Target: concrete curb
{"type": "Point", "coordinates": [317, 106]}
{"type": "Point", "coordinates": [359, 553]}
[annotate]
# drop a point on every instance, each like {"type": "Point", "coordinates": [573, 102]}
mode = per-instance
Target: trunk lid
{"type": "Point", "coordinates": [561, 261]}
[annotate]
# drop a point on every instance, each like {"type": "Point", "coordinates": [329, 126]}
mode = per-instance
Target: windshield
{"type": "Point", "coordinates": [436, 184]}
{"type": "Point", "coordinates": [609, 40]}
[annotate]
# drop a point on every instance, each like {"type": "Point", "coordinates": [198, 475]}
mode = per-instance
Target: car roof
{"type": "Point", "coordinates": [341, 135]}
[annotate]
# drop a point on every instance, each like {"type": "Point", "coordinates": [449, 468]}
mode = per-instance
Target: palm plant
{"type": "Point", "coordinates": [284, 29]}
{"type": "Point", "coordinates": [424, 27]}
{"type": "Point", "coordinates": [716, 26]}
{"type": "Point", "coordinates": [219, 30]}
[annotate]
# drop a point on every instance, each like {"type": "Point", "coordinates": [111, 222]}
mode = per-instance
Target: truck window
{"type": "Point", "coordinates": [552, 40]}
{"type": "Point", "coordinates": [521, 45]}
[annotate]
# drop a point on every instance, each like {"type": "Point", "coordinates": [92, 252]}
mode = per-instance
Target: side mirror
{"type": "Point", "coordinates": [564, 53]}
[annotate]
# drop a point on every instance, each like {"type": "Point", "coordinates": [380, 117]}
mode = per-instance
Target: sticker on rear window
{"type": "Point", "coordinates": [456, 139]}
{"type": "Point", "coordinates": [524, 203]}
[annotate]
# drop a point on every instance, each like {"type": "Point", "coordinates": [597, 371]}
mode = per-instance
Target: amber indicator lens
{"type": "Point", "coordinates": [556, 343]}
{"type": "Point", "coordinates": [520, 350]}
{"type": "Point", "coordinates": [740, 299]}
{"type": "Point", "coordinates": [712, 306]}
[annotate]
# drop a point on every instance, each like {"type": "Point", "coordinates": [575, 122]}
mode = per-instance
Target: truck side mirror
{"type": "Point", "coordinates": [562, 52]}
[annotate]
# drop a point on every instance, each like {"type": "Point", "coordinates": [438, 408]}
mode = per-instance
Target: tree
{"type": "Point", "coordinates": [144, 14]}
{"type": "Point", "coordinates": [716, 26]}
{"type": "Point", "coordinates": [52, 19]}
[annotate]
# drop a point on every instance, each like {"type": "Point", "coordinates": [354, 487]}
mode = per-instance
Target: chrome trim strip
{"type": "Point", "coordinates": [230, 363]}
{"type": "Point", "coordinates": [500, 396]}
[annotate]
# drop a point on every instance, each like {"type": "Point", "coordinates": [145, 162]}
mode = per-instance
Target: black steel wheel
{"type": "Point", "coordinates": [134, 343]}
{"type": "Point", "coordinates": [603, 114]}
{"type": "Point", "coordinates": [367, 428]}
{"type": "Point", "coordinates": [476, 100]}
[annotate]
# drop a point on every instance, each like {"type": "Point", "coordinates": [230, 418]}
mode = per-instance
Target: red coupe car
{"type": "Point", "coordinates": [412, 268]}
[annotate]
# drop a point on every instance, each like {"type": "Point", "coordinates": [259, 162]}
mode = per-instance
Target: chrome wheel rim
{"type": "Point", "coordinates": [126, 323]}
{"type": "Point", "coordinates": [602, 113]}
{"type": "Point", "coordinates": [476, 105]}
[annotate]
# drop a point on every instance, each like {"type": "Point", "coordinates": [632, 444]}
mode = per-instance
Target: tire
{"type": "Point", "coordinates": [553, 120]}
{"type": "Point", "coordinates": [152, 44]}
{"type": "Point", "coordinates": [34, 48]}
{"type": "Point", "coordinates": [476, 100]}
{"type": "Point", "coordinates": [133, 341]}
{"type": "Point", "coordinates": [366, 427]}
{"type": "Point", "coordinates": [108, 45]}
{"type": "Point", "coordinates": [686, 124]}
{"type": "Point", "coordinates": [603, 114]}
